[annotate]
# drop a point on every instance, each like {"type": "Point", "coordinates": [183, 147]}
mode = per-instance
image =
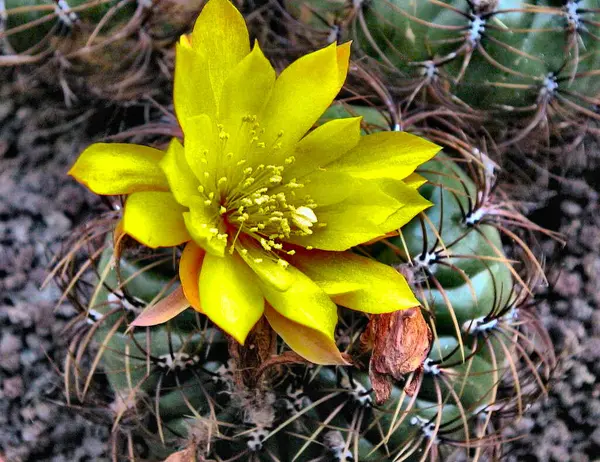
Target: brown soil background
{"type": "Point", "coordinates": [40, 205]}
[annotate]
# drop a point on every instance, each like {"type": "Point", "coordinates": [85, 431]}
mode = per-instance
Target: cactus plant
{"type": "Point", "coordinates": [181, 388]}
{"type": "Point", "coordinates": [532, 61]}
{"type": "Point", "coordinates": [113, 50]}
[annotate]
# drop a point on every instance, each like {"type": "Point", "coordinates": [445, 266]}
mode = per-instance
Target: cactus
{"type": "Point", "coordinates": [509, 59]}
{"type": "Point", "coordinates": [113, 50]}
{"type": "Point", "coordinates": [182, 388]}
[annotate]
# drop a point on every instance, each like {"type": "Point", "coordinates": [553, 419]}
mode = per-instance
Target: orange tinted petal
{"type": "Point", "coordinates": [189, 273]}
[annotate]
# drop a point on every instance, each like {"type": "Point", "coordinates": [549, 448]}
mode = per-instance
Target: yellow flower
{"type": "Point", "coordinates": [267, 210]}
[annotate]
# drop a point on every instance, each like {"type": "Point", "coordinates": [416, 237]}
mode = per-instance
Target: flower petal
{"type": "Point", "coordinates": [201, 222]}
{"type": "Point", "coordinates": [155, 219]}
{"type": "Point", "coordinates": [356, 282]}
{"type": "Point", "coordinates": [304, 303]}
{"type": "Point", "coordinates": [230, 295]}
{"type": "Point", "coordinates": [302, 93]}
{"type": "Point", "coordinates": [246, 90]}
{"type": "Point", "coordinates": [190, 264]}
{"type": "Point", "coordinates": [192, 91]}
{"type": "Point", "coordinates": [201, 149]}
{"type": "Point", "coordinates": [269, 271]}
{"type": "Point", "coordinates": [367, 212]}
{"type": "Point", "coordinates": [414, 180]}
{"type": "Point", "coordinates": [164, 310]}
{"type": "Point", "coordinates": [117, 168]}
{"type": "Point", "coordinates": [385, 155]}
{"type": "Point", "coordinates": [220, 34]}
{"type": "Point", "coordinates": [183, 183]}
{"type": "Point", "coordinates": [412, 203]}
{"type": "Point", "coordinates": [308, 343]}
{"type": "Point", "coordinates": [323, 145]}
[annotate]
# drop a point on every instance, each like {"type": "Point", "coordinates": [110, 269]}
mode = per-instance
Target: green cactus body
{"type": "Point", "coordinates": [507, 56]}
{"type": "Point", "coordinates": [38, 20]}
{"type": "Point", "coordinates": [181, 381]}
{"type": "Point", "coordinates": [500, 53]}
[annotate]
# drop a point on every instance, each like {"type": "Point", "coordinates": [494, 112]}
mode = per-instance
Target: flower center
{"type": "Point", "coordinates": [258, 201]}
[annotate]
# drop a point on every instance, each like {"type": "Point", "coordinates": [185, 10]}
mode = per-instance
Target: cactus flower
{"type": "Point", "coordinates": [266, 208]}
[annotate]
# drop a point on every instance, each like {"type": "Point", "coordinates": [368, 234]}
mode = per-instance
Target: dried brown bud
{"type": "Point", "coordinates": [400, 343]}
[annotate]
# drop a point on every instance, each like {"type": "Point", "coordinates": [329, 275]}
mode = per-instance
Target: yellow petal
{"type": "Point", "coordinates": [412, 203]}
{"type": "Point", "coordinates": [385, 155]}
{"type": "Point", "coordinates": [362, 212]}
{"type": "Point", "coordinates": [304, 303]}
{"type": "Point", "coordinates": [203, 224]}
{"type": "Point", "coordinates": [117, 168]}
{"type": "Point", "coordinates": [163, 310]}
{"type": "Point", "coordinates": [230, 295]}
{"type": "Point", "coordinates": [269, 271]}
{"type": "Point", "coordinates": [246, 90]}
{"type": "Point", "coordinates": [356, 282]}
{"type": "Point", "coordinates": [308, 343]}
{"type": "Point", "coordinates": [190, 264]}
{"type": "Point", "coordinates": [183, 183]}
{"type": "Point", "coordinates": [192, 92]}
{"type": "Point", "coordinates": [155, 219]}
{"type": "Point", "coordinates": [220, 34]}
{"type": "Point", "coordinates": [302, 93]}
{"type": "Point", "coordinates": [414, 180]}
{"type": "Point", "coordinates": [202, 151]}
{"type": "Point", "coordinates": [323, 145]}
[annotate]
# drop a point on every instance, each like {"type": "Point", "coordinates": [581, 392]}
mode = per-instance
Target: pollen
{"type": "Point", "coordinates": [253, 199]}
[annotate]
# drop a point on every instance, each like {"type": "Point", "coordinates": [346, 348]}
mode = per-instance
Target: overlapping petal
{"type": "Point", "coordinates": [182, 182]}
{"type": "Point", "coordinates": [412, 203]}
{"type": "Point", "coordinates": [246, 91]}
{"type": "Point", "coordinates": [202, 151]}
{"type": "Point", "coordinates": [385, 155]}
{"type": "Point", "coordinates": [356, 282]}
{"type": "Point", "coordinates": [220, 34]}
{"type": "Point", "coordinates": [268, 270]}
{"type": "Point", "coordinates": [203, 225]}
{"type": "Point", "coordinates": [163, 310]}
{"type": "Point", "coordinates": [414, 180]}
{"type": "Point", "coordinates": [323, 145]}
{"type": "Point", "coordinates": [155, 219]}
{"type": "Point", "coordinates": [363, 210]}
{"type": "Point", "coordinates": [190, 266]}
{"type": "Point", "coordinates": [117, 168]}
{"type": "Point", "coordinates": [230, 295]}
{"type": "Point", "coordinates": [302, 93]}
{"type": "Point", "coordinates": [304, 303]}
{"type": "Point", "coordinates": [192, 90]}
{"type": "Point", "coordinates": [308, 343]}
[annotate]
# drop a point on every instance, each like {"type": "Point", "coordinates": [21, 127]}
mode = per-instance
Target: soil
{"type": "Point", "coordinates": [40, 205]}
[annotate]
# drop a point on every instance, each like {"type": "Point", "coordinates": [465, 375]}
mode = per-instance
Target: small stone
{"type": "Point", "coordinates": [568, 284]}
{"type": "Point", "coordinates": [561, 307]}
{"type": "Point", "coordinates": [595, 436]}
{"type": "Point", "coordinates": [595, 322]}
{"type": "Point", "coordinates": [58, 224]}
{"type": "Point", "coordinates": [589, 236]}
{"type": "Point", "coordinates": [581, 309]}
{"type": "Point", "coordinates": [12, 387]}
{"type": "Point", "coordinates": [570, 208]}
{"type": "Point", "coordinates": [45, 412]}
{"type": "Point", "coordinates": [10, 346]}
{"type": "Point", "coordinates": [591, 265]}
{"type": "Point", "coordinates": [15, 281]}
{"type": "Point", "coordinates": [6, 107]}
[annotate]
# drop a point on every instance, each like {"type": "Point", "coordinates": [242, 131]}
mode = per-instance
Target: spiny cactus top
{"type": "Point", "coordinates": [267, 210]}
